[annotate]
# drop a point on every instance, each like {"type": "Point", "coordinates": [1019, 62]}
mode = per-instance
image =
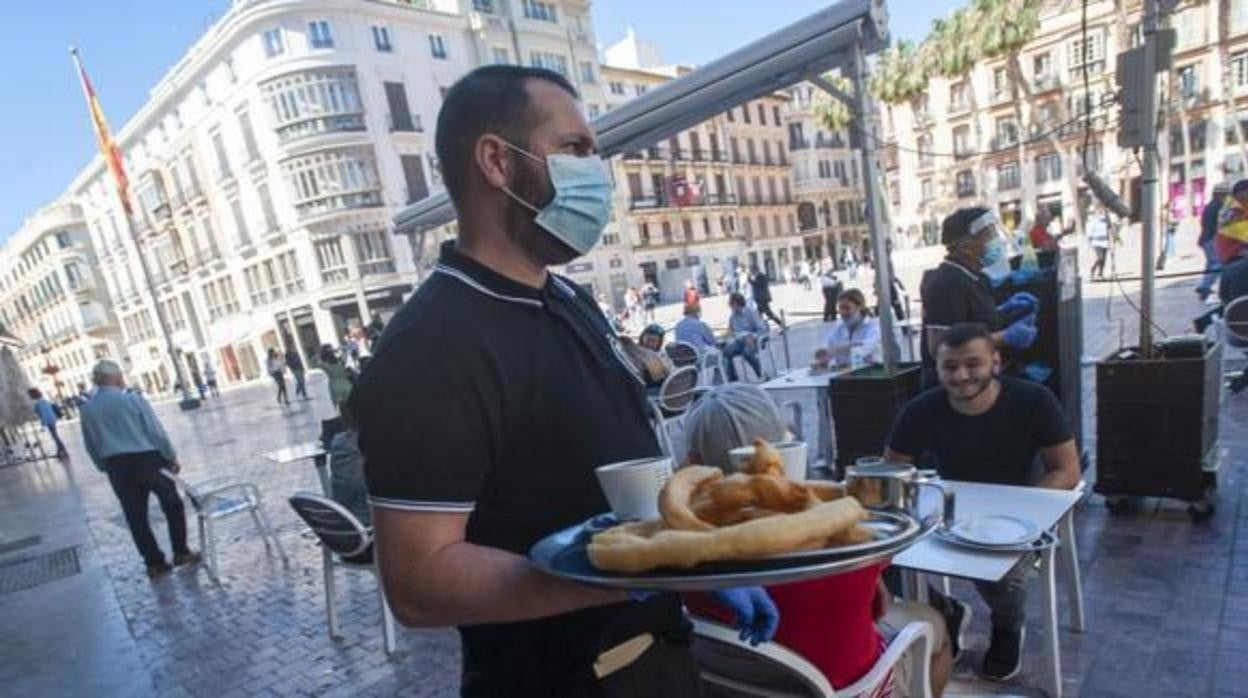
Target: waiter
{"type": "Point", "coordinates": [958, 291]}
{"type": "Point", "coordinates": [491, 397]}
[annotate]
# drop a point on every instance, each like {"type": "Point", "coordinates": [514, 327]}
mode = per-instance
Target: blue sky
{"type": "Point", "coordinates": [129, 44]}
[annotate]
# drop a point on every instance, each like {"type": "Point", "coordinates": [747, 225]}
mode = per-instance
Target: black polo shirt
{"type": "Point", "coordinates": [951, 293]}
{"type": "Point", "coordinates": [492, 398]}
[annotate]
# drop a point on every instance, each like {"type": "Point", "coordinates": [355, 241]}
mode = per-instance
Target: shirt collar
{"type": "Point", "coordinates": [461, 267]}
{"type": "Point", "coordinates": [974, 275]}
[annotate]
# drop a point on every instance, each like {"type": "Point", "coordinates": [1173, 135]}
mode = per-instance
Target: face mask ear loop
{"type": "Point", "coordinates": [520, 201]}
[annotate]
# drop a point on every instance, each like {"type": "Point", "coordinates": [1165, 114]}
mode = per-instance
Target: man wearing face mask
{"type": "Point", "coordinates": [958, 290]}
{"type": "Point", "coordinates": [492, 396]}
{"type": "Point", "coordinates": [981, 427]}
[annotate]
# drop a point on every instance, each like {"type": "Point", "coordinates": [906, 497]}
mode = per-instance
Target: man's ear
{"type": "Point", "coordinates": [493, 160]}
{"type": "Point", "coordinates": [996, 363]}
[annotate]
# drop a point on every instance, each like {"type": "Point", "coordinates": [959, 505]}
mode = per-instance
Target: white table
{"type": "Point", "coordinates": [1044, 507]}
{"type": "Point", "coordinates": [298, 452]}
{"type": "Point", "coordinates": [803, 379]}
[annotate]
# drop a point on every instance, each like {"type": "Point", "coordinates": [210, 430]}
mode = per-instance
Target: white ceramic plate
{"type": "Point", "coordinates": [995, 530]}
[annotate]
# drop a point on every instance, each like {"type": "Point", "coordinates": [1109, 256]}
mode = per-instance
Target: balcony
{"type": "Point", "coordinates": [1046, 83]}
{"type": "Point", "coordinates": [1000, 97]}
{"type": "Point", "coordinates": [959, 107]}
{"type": "Point", "coordinates": [1194, 99]}
{"type": "Point", "coordinates": [795, 144]}
{"type": "Point", "coordinates": [652, 203]}
{"type": "Point", "coordinates": [332, 203]}
{"type": "Point", "coordinates": [405, 123]}
{"type": "Point", "coordinates": [923, 121]}
{"type": "Point", "coordinates": [1004, 141]}
{"type": "Point", "coordinates": [317, 125]}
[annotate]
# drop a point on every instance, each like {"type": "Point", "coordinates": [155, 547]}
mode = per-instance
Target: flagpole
{"type": "Point", "coordinates": [187, 402]}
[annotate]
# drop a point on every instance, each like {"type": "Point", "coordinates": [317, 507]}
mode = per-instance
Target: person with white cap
{"type": "Point", "coordinates": [1208, 231]}
{"type": "Point", "coordinates": [959, 290]}
{"type": "Point", "coordinates": [127, 442]}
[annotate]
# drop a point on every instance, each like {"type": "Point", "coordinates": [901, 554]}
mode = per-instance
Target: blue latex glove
{"type": "Point", "coordinates": [1021, 334]}
{"type": "Point", "coordinates": [1020, 302]}
{"type": "Point", "coordinates": [1037, 371]}
{"type": "Point", "coordinates": [757, 616]}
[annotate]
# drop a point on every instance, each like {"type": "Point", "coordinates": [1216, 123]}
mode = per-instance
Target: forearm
{"type": "Point", "coordinates": [466, 584]}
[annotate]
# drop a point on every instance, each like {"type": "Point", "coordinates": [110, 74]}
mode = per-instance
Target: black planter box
{"type": "Point", "coordinates": [1157, 424]}
{"type": "Point", "coordinates": [864, 404]}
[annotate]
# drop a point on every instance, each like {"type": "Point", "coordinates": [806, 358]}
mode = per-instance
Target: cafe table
{"type": "Point", "coordinates": [304, 451]}
{"type": "Point", "coordinates": [1046, 508]}
{"type": "Point", "coordinates": [804, 379]}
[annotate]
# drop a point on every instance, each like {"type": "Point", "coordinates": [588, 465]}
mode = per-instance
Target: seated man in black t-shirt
{"type": "Point", "coordinates": [981, 427]}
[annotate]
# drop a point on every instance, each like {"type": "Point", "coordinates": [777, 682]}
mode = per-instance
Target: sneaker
{"type": "Point", "coordinates": [187, 558]}
{"type": "Point", "coordinates": [158, 570]}
{"type": "Point", "coordinates": [957, 620]}
{"type": "Point", "coordinates": [1005, 655]}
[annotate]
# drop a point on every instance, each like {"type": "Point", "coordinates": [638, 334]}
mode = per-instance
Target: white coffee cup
{"type": "Point", "coordinates": [792, 457]}
{"type": "Point", "coordinates": [632, 487]}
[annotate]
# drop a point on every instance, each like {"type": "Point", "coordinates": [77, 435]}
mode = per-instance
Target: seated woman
{"type": "Point", "coordinates": [855, 328]}
{"type": "Point", "coordinates": [841, 624]}
{"type": "Point", "coordinates": [652, 337]}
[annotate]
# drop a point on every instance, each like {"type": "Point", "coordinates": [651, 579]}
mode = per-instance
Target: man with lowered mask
{"type": "Point", "coordinates": [959, 290]}
{"type": "Point", "coordinates": [979, 426]}
{"type": "Point", "coordinates": [492, 396]}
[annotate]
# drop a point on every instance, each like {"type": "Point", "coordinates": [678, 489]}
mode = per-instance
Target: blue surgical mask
{"type": "Point", "coordinates": [994, 251]}
{"type": "Point", "coordinates": [581, 205]}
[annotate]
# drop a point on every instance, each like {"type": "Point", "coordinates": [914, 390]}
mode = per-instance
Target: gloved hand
{"type": "Point", "coordinates": [1021, 334]}
{"type": "Point", "coordinates": [1021, 301]}
{"type": "Point", "coordinates": [757, 616]}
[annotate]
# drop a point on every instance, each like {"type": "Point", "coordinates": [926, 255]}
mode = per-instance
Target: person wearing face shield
{"type": "Point", "coordinates": [959, 288]}
{"type": "Point", "coordinates": [491, 397]}
{"type": "Point", "coordinates": [980, 426]}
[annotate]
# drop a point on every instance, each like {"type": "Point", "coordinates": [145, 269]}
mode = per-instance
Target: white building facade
{"type": "Point", "coordinates": [53, 299]}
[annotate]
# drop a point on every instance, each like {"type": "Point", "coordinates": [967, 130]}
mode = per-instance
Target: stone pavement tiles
{"type": "Point", "coordinates": [1166, 599]}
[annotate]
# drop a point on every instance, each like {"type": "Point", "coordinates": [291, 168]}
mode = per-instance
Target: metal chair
{"type": "Point", "coordinates": [217, 499]}
{"type": "Point", "coordinates": [708, 361]}
{"type": "Point", "coordinates": [681, 354]}
{"type": "Point", "coordinates": [677, 392]}
{"type": "Point", "coordinates": [713, 641]}
{"type": "Point", "coordinates": [344, 543]}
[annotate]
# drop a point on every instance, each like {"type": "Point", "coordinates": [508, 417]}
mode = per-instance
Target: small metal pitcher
{"type": "Point", "coordinates": [896, 486]}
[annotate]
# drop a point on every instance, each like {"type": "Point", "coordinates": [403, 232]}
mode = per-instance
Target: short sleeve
{"type": "Point", "coordinates": [907, 435]}
{"type": "Point", "coordinates": [428, 421]}
{"type": "Point", "coordinates": [1050, 426]}
{"type": "Point", "coordinates": [943, 304]}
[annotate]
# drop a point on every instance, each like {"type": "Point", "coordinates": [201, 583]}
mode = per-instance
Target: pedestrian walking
{"type": "Point", "coordinates": [126, 442]}
{"type": "Point", "coordinates": [198, 380]}
{"type": "Point", "coordinates": [760, 287]}
{"type": "Point", "coordinates": [831, 288]}
{"type": "Point", "coordinates": [210, 379]}
{"type": "Point", "coordinates": [295, 363]}
{"type": "Point", "coordinates": [277, 369]}
{"type": "Point", "coordinates": [692, 297]}
{"type": "Point", "coordinates": [649, 300]}
{"type": "Point", "coordinates": [1208, 231]}
{"type": "Point", "coordinates": [48, 417]}
{"type": "Point", "coordinates": [1167, 244]}
{"type": "Point", "coordinates": [337, 375]}
{"type": "Point", "coordinates": [1097, 231]}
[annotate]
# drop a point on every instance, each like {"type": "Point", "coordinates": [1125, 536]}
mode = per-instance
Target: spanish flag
{"type": "Point", "coordinates": [108, 147]}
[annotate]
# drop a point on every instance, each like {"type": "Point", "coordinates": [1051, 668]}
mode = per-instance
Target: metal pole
{"type": "Point", "coordinates": [188, 402]}
{"type": "Point", "coordinates": [1148, 179]}
{"type": "Point", "coordinates": [875, 211]}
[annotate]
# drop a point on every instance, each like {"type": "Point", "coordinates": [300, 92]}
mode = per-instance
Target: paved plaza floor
{"type": "Point", "coordinates": [1167, 600]}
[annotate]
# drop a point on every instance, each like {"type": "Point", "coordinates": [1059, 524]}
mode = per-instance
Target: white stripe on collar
{"type": "Point", "coordinates": [457, 274]}
{"type": "Point", "coordinates": [563, 286]}
{"type": "Point", "coordinates": [964, 270]}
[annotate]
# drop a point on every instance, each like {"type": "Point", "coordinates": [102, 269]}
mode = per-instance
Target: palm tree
{"type": "Point", "coordinates": [830, 112]}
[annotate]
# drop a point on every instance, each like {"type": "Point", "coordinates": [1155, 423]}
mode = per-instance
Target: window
{"type": "Point", "coordinates": [330, 259]}
{"type": "Point", "coordinates": [223, 160]}
{"type": "Point", "coordinates": [957, 96]}
{"type": "Point", "coordinates": [925, 188]}
{"type": "Point", "coordinates": [962, 141]}
{"type": "Point", "coordinates": [414, 176]}
{"type": "Point", "coordinates": [541, 11]}
{"type": "Point", "coordinates": [1048, 168]}
{"type": "Point", "coordinates": [372, 249]}
{"type": "Point", "coordinates": [925, 149]}
{"type": "Point", "coordinates": [1188, 82]}
{"type": "Point", "coordinates": [1042, 65]}
{"type": "Point", "coordinates": [729, 115]}
{"type": "Point", "coordinates": [1239, 68]}
{"type": "Point", "coordinates": [1094, 159]}
{"type": "Point", "coordinates": [333, 180]}
{"type": "Point", "coordinates": [1190, 27]}
{"type": "Point", "coordinates": [381, 39]}
{"type": "Point", "coordinates": [249, 136]}
{"type": "Point", "coordinates": [318, 34]}
{"type": "Point", "coordinates": [240, 222]}
{"type": "Point", "coordinates": [437, 46]}
{"type": "Point", "coordinates": [501, 55]}
{"type": "Point", "coordinates": [550, 61]}
{"type": "Point", "coordinates": [587, 73]}
{"type": "Point", "coordinates": [775, 115]}
{"type": "Point", "coordinates": [1000, 83]}
{"type": "Point", "coordinates": [266, 206]}
{"type": "Point", "coordinates": [274, 45]}
{"type": "Point", "coordinates": [617, 88]}
{"type": "Point", "coordinates": [762, 115]}
{"type": "Point", "coordinates": [400, 114]}
{"type": "Point", "coordinates": [486, 6]}
{"type": "Point", "coordinates": [639, 89]}
{"type": "Point", "coordinates": [1239, 15]}
{"type": "Point", "coordinates": [745, 113]}
{"type": "Point", "coordinates": [1008, 177]}
{"type": "Point", "coordinates": [1197, 135]}
{"type": "Point", "coordinates": [310, 102]}
{"type": "Point", "coordinates": [1089, 52]}
{"type": "Point", "coordinates": [1007, 133]}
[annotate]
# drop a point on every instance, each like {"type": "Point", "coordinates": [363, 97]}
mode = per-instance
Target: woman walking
{"type": "Point", "coordinates": [277, 368]}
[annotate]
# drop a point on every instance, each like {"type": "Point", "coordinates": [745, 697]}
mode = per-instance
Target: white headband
{"type": "Point", "coordinates": [988, 218]}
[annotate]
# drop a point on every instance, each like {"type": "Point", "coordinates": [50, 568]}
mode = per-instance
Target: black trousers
{"type": "Point", "coordinates": [134, 476]}
{"type": "Point", "coordinates": [829, 302]}
{"type": "Point", "coordinates": [764, 308]}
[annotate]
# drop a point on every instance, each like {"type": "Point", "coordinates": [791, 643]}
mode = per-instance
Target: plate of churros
{"type": "Point", "coordinates": [717, 530]}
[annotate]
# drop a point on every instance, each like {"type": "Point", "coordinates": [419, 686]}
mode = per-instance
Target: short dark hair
{"type": "Point", "coordinates": [34, 393]}
{"type": "Point", "coordinates": [490, 99]}
{"type": "Point", "coordinates": [854, 296]}
{"type": "Point", "coordinates": [736, 299]}
{"type": "Point", "coordinates": [964, 333]}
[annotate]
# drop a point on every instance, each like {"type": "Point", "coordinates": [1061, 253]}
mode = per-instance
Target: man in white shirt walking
{"type": "Point", "coordinates": [127, 442]}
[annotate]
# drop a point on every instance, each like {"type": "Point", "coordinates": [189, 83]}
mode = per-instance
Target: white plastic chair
{"type": "Point", "coordinates": [218, 499]}
{"type": "Point", "coordinates": [913, 644]}
{"type": "Point", "coordinates": [708, 361]}
{"type": "Point", "coordinates": [342, 537]}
